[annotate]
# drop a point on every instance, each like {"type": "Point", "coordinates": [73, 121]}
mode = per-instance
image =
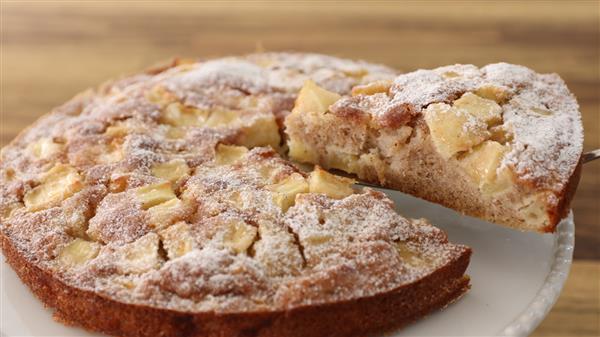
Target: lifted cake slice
{"type": "Point", "coordinates": [501, 142]}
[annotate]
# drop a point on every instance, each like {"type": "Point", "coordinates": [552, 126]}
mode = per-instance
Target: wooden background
{"type": "Point", "coordinates": [52, 50]}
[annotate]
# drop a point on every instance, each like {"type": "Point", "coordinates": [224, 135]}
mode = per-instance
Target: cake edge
{"type": "Point", "coordinates": [377, 313]}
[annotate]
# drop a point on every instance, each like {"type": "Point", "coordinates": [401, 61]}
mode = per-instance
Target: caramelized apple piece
{"type": "Point", "coordinates": [321, 181]}
{"type": "Point", "coordinates": [235, 198]}
{"type": "Point", "coordinates": [313, 98]}
{"type": "Point", "coordinates": [229, 154]}
{"type": "Point", "coordinates": [78, 252]}
{"type": "Point", "coordinates": [119, 129]}
{"type": "Point", "coordinates": [59, 183]}
{"type": "Point", "coordinates": [410, 256]}
{"type": "Point", "coordinates": [482, 164]}
{"type": "Point", "coordinates": [175, 114]}
{"type": "Point", "coordinates": [483, 109]}
{"type": "Point", "coordinates": [239, 236]}
{"type": "Point", "coordinates": [166, 213]}
{"type": "Point", "coordinates": [263, 131]}
{"type": "Point", "coordinates": [356, 73]}
{"type": "Point", "coordinates": [152, 195]}
{"type": "Point", "coordinates": [453, 130]}
{"type": "Point", "coordinates": [495, 93]}
{"type": "Point", "coordinates": [382, 86]}
{"type": "Point", "coordinates": [172, 170]}
{"type": "Point", "coordinates": [286, 190]}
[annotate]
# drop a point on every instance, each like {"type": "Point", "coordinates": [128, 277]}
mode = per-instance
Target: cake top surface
{"type": "Point", "coordinates": [538, 110]}
{"type": "Point", "coordinates": [160, 189]}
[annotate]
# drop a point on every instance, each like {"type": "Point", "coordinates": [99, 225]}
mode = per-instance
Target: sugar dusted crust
{"type": "Point", "coordinates": [423, 135]}
{"type": "Point", "coordinates": [138, 210]}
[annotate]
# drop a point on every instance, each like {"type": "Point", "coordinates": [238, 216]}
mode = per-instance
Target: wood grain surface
{"type": "Point", "coordinates": [52, 50]}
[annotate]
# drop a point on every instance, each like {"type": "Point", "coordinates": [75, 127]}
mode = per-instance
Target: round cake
{"type": "Point", "coordinates": [160, 205]}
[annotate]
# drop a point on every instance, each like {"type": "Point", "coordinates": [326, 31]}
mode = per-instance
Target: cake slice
{"type": "Point", "coordinates": [159, 205]}
{"type": "Point", "coordinates": [501, 142]}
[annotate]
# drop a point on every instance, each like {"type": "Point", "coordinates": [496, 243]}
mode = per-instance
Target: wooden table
{"type": "Point", "coordinates": [51, 51]}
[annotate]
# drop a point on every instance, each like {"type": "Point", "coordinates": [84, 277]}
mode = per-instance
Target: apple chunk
{"type": "Point", "coordinates": [229, 154]}
{"type": "Point", "coordinates": [313, 98]}
{"type": "Point", "coordinates": [453, 130]}
{"type": "Point", "coordinates": [77, 252]}
{"type": "Point", "coordinates": [152, 195]}
{"type": "Point", "coordinates": [482, 165]}
{"type": "Point", "coordinates": [321, 181]}
{"type": "Point", "coordinates": [484, 109]}
{"type": "Point", "coordinates": [239, 236]}
{"type": "Point", "coordinates": [286, 190]}
{"type": "Point", "coordinates": [59, 183]}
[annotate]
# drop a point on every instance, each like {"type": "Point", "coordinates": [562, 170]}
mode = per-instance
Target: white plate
{"type": "Point", "coordinates": [516, 278]}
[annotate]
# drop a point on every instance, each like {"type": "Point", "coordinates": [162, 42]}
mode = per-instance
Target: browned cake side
{"type": "Point", "coordinates": [501, 142]}
{"type": "Point", "coordinates": [157, 206]}
{"type": "Point", "coordinates": [377, 313]}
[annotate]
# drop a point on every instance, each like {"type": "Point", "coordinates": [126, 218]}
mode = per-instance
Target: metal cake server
{"type": "Point", "coordinates": [591, 155]}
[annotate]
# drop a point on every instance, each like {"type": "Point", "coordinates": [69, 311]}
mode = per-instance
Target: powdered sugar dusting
{"type": "Point", "coordinates": [229, 72]}
{"type": "Point", "coordinates": [548, 132]}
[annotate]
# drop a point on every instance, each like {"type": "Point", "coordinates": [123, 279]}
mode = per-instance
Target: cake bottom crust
{"type": "Point", "coordinates": [378, 313]}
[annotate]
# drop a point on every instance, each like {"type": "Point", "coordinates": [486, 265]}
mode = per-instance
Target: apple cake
{"type": "Point", "coordinates": [500, 142]}
{"type": "Point", "coordinates": [159, 205]}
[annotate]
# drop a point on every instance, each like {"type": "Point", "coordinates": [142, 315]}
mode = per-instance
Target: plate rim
{"type": "Point", "coordinates": [547, 295]}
